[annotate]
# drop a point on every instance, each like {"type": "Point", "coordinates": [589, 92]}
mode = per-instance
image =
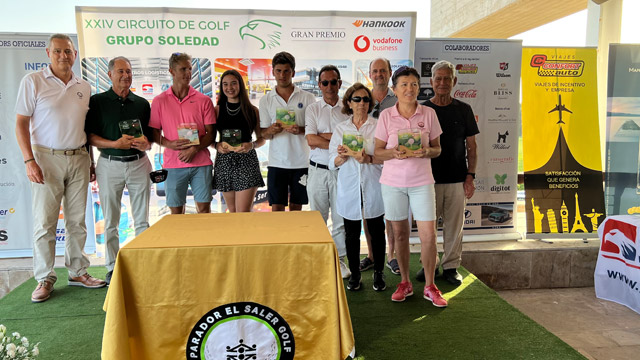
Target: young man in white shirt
{"type": "Point", "coordinates": [288, 149]}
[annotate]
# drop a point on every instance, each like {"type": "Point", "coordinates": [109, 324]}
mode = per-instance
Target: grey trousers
{"type": "Point", "coordinates": [450, 203]}
{"type": "Point", "coordinates": [112, 177]}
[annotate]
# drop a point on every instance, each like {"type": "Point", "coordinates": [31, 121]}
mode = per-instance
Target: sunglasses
{"type": "Point", "coordinates": [333, 82]}
{"type": "Point", "coordinates": [357, 99]}
{"type": "Point", "coordinates": [376, 111]}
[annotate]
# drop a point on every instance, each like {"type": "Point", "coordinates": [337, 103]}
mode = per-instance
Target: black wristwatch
{"type": "Point", "coordinates": [473, 175]}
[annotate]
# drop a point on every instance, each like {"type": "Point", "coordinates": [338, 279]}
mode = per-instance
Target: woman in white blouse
{"type": "Point", "coordinates": [359, 184]}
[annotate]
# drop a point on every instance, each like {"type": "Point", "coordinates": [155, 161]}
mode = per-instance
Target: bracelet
{"type": "Point", "coordinates": [29, 160]}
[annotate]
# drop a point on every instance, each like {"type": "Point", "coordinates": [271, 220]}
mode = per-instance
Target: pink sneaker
{"type": "Point", "coordinates": [404, 289]}
{"type": "Point", "coordinates": [434, 295]}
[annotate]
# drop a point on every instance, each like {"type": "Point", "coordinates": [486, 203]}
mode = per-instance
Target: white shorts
{"type": "Point", "coordinates": [397, 200]}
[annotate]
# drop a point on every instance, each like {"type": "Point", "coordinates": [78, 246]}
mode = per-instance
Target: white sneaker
{"type": "Point", "coordinates": [344, 269]}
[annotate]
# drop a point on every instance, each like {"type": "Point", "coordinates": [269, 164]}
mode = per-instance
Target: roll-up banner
{"type": "Point", "coordinates": [488, 73]}
{"type": "Point", "coordinates": [22, 54]}
{"type": "Point", "coordinates": [622, 180]}
{"type": "Point", "coordinates": [244, 40]}
{"type": "Point", "coordinates": [561, 142]}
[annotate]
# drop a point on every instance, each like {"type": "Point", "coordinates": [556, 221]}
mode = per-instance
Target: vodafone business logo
{"type": "Point", "coordinates": [362, 43]}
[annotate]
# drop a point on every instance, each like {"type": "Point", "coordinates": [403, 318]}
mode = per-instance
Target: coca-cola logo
{"type": "Point", "coordinates": [468, 94]}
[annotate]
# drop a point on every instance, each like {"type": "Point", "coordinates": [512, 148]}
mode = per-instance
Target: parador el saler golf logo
{"type": "Point", "coordinates": [241, 331]}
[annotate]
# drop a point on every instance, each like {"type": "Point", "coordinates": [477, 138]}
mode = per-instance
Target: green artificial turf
{"type": "Point", "coordinates": [478, 324]}
{"type": "Point", "coordinates": [68, 326]}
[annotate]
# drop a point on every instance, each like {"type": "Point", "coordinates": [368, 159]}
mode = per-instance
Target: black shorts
{"type": "Point", "coordinates": [281, 182]}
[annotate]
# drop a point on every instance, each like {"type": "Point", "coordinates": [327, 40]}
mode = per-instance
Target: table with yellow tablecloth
{"type": "Point", "coordinates": [223, 285]}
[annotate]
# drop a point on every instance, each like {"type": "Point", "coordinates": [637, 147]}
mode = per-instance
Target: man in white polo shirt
{"type": "Point", "coordinates": [321, 118]}
{"type": "Point", "coordinates": [50, 115]}
{"type": "Point", "coordinates": [282, 122]}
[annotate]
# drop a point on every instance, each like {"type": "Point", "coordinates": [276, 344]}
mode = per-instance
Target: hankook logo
{"type": "Point", "coordinates": [396, 24]}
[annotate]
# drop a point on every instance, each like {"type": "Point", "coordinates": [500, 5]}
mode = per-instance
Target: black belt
{"type": "Point", "coordinates": [320, 166]}
{"type": "Point", "coordinates": [123, 158]}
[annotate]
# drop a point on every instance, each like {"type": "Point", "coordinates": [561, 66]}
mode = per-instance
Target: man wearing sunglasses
{"type": "Point", "coordinates": [111, 127]}
{"type": "Point", "coordinates": [383, 96]}
{"type": "Point", "coordinates": [288, 150]}
{"type": "Point", "coordinates": [320, 120]}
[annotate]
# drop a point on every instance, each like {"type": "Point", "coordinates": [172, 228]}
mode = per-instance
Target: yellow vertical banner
{"type": "Point", "coordinates": [561, 140]}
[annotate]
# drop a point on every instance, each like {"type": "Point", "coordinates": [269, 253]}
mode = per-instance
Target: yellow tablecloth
{"type": "Point", "coordinates": [170, 276]}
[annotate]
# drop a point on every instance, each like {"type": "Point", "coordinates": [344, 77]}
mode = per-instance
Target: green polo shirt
{"type": "Point", "coordinates": [107, 109]}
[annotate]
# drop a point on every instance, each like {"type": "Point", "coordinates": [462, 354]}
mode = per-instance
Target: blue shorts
{"type": "Point", "coordinates": [179, 179]}
{"type": "Point", "coordinates": [397, 200]}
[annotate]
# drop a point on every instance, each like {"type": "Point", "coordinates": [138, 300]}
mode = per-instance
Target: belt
{"type": "Point", "coordinates": [43, 149]}
{"type": "Point", "coordinates": [123, 158]}
{"type": "Point", "coordinates": [319, 166]}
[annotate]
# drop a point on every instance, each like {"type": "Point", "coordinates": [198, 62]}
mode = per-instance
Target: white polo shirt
{"type": "Point", "coordinates": [320, 118]}
{"type": "Point", "coordinates": [286, 150]}
{"type": "Point", "coordinates": [57, 111]}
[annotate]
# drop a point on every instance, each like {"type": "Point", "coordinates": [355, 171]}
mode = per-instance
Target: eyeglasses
{"type": "Point", "coordinates": [333, 82]}
{"type": "Point", "coordinates": [376, 111]}
{"type": "Point", "coordinates": [357, 99]}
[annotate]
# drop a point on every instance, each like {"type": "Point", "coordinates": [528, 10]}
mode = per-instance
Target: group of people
{"type": "Point", "coordinates": [58, 120]}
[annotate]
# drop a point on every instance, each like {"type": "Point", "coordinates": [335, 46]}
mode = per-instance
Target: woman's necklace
{"type": "Point", "coordinates": [232, 112]}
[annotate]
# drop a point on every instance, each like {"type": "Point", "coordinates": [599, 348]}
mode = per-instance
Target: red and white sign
{"type": "Point", "coordinates": [617, 275]}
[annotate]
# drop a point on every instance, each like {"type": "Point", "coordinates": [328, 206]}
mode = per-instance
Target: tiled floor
{"type": "Point", "coordinates": [599, 329]}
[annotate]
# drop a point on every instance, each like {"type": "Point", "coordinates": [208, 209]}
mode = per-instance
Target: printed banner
{"type": "Point", "coordinates": [622, 181]}
{"type": "Point", "coordinates": [617, 275]}
{"type": "Point", "coordinates": [244, 40]}
{"type": "Point", "coordinates": [488, 73]}
{"type": "Point", "coordinates": [561, 141]}
{"type": "Point", "coordinates": [22, 54]}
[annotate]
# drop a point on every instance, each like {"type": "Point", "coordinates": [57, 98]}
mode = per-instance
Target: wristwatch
{"type": "Point", "coordinates": [473, 175]}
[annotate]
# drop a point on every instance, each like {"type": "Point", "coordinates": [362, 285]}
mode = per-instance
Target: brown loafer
{"type": "Point", "coordinates": [42, 292]}
{"type": "Point", "coordinates": [87, 281]}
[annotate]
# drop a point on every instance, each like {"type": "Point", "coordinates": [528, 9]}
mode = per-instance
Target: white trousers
{"type": "Point", "coordinates": [322, 193]}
